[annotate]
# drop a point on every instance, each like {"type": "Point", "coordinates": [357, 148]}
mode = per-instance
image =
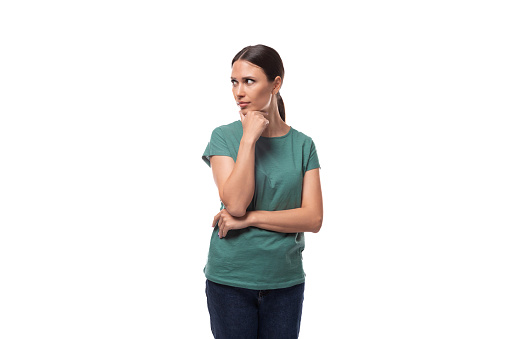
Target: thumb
{"type": "Point", "coordinates": [241, 116]}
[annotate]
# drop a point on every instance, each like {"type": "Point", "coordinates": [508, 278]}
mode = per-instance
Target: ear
{"type": "Point", "coordinates": [277, 84]}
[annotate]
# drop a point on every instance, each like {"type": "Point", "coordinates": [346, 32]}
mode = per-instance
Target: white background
{"type": "Point", "coordinates": [106, 206]}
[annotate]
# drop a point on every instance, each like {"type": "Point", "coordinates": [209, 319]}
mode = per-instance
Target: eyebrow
{"type": "Point", "coordinates": [245, 78]}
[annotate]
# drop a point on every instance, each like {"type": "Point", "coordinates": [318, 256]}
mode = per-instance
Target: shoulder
{"type": "Point", "coordinates": [310, 155]}
{"type": "Point", "coordinates": [229, 129]}
{"type": "Point", "coordinates": [229, 133]}
{"type": "Point", "coordinates": [302, 137]}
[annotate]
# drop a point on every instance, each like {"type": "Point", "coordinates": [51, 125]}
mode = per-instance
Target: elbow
{"type": "Point", "coordinates": [317, 225]}
{"type": "Point", "coordinates": [236, 211]}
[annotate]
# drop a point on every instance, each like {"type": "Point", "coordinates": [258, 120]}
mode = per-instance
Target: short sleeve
{"type": "Point", "coordinates": [216, 146]}
{"type": "Point", "coordinates": [313, 158]}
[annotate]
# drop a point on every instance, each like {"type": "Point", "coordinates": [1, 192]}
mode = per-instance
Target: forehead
{"type": "Point", "coordinates": [243, 68]}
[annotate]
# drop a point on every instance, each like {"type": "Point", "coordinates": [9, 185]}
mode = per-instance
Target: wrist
{"type": "Point", "coordinates": [251, 218]}
{"type": "Point", "coordinates": [247, 141]}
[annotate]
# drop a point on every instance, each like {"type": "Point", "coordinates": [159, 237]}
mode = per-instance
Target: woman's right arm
{"type": "Point", "coordinates": [236, 180]}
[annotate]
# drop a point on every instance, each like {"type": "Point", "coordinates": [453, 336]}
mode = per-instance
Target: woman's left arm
{"type": "Point", "coordinates": [307, 218]}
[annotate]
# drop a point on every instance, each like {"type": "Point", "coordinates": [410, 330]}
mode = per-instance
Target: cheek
{"type": "Point", "coordinates": [264, 102]}
{"type": "Point", "coordinates": [262, 96]}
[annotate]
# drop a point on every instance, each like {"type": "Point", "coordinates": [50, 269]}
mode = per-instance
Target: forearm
{"type": "Point", "coordinates": [286, 221]}
{"type": "Point", "coordinates": [238, 190]}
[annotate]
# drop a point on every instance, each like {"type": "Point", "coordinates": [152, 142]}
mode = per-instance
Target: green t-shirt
{"type": "Point", "coordinates": [252, 257]}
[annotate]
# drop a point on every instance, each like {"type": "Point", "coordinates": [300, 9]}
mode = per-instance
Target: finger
{"type": "Point", "coordinates": [216, 218]}
{"type": "Point", "coordinates": [224, 229]}
{"type": "Point", "coordinates": [262, 113]}
{"type": "Point", "coordinates": [219, 226]}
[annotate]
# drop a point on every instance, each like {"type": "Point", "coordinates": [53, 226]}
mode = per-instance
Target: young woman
{"type": "Point", "coordinates": [267, 175]}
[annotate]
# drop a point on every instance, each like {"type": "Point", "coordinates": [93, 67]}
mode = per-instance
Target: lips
{"type": "Point", "coordinates": [243, 103]}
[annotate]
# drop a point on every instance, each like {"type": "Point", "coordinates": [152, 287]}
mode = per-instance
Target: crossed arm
{"type": "Point", "coordinates": [235, 182]}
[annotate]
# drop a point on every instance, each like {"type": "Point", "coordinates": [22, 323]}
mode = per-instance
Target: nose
{"type": "Point", "coordinates": [239, 91]}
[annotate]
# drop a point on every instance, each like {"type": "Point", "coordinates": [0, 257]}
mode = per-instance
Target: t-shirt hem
{"type": "Point", "coordinates": [255, 286]}
{"type": "Point", "coordinates": [313, 167]}
{"type": "Point", "coordinates": [206, 157]}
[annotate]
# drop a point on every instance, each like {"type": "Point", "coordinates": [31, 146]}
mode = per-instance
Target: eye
{"type": "Point", "coordinates": [234, 82]}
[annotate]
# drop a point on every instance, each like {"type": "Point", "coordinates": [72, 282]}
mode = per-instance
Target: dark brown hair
{"type": "Point", "coordinates": [269, 60]}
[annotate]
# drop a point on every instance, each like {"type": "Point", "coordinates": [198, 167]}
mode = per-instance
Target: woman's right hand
{"type": "Point", "coordinates": [253, 124]}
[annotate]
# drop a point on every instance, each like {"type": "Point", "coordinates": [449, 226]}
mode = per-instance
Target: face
{"type": "Point", "coordinates": [250, 85]}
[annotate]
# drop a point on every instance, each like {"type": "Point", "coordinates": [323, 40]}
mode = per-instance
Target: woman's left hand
{"type": "Point", "coordinates": [226, 222]}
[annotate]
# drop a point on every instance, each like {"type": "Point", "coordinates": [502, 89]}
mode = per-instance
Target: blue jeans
{"type": "Point", "coordinates": [241, 313]}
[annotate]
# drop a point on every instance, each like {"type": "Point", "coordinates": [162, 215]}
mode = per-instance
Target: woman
{"type": "Point", "coordinates": [267, 175]}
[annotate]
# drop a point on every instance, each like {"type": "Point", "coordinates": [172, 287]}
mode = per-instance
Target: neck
{"type": "Point", "coordinates": [276, 127]}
